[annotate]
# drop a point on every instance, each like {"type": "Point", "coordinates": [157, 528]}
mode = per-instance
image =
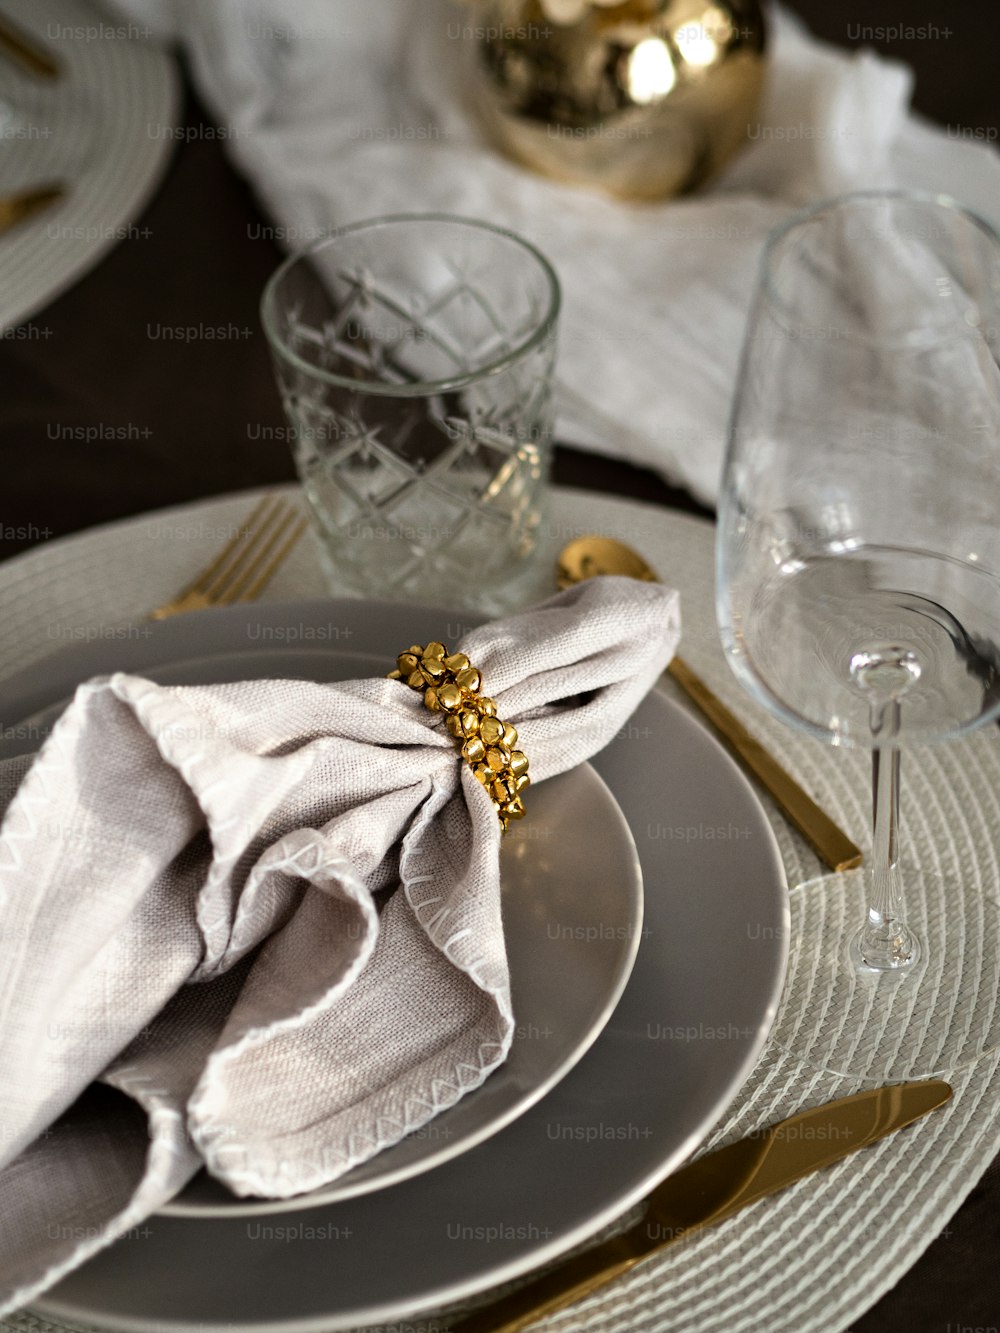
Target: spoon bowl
{"type": "Point", "coordinates": [586, 557]}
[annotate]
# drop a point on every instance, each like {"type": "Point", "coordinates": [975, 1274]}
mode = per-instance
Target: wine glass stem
{"type": "Point", "coordinates": [885, 943]}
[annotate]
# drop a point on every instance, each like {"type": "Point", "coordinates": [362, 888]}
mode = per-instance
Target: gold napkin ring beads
{"type": "Point", "coordinates": [451, 685]}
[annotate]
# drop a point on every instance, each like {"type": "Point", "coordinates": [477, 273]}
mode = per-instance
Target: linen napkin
{"type": "Point", "coordinates": [338, 111]}
{"type": "Point", "coordinates": [205, 960]}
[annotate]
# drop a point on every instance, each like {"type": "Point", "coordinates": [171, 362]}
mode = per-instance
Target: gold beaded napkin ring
{"type": "Point", "coordinates": [451, 685]}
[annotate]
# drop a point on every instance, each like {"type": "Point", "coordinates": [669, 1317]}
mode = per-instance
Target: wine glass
{"type": "Point", "coordinates": [859, 592]}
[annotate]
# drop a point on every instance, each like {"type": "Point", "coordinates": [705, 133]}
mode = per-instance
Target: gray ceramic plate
{"type": "Point", "coordinates": [687, 1030]}
{"type": "Point", "coordinates": [572, 905]}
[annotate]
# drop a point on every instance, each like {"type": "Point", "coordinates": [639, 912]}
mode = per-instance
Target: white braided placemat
{"type": "Point", "coordinates": [815, 1257]}
{"type": "Point", "coordinates": [104, 129]}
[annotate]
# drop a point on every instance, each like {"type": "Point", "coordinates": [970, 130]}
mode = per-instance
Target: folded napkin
{"type": "Point", "coordinates": [204, 960]}
{"type": "Point", "coordinates": [338, 111]}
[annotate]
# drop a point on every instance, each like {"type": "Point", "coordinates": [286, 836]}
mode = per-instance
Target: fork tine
{"type": "Point", "coordinates": [247, 562]}
{"type": "Point", "coordinates": [236, 588]}
{"type": "Point", "coordinates": [216, 587]}
{"type": "Point", "coordinates": [268, 573]}
{"type": "Point", "coordinates": [220, 587]}
{"type": "Point", "coordinates": [205, 576]}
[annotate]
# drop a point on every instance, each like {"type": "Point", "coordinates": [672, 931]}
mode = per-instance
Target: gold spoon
{"type": "Point", "coordinates": [587, 556]}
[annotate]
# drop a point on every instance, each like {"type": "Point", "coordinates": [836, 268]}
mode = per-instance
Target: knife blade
{"type": "Point", "coordinates": [713, 1188]}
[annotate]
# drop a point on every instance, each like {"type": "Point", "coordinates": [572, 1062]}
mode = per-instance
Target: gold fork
{"type": "Point", "coordinates": [26, 51]}
{"type": "Point", "coordinates": [246, 564]}
{"type": "Point", "coordinates": [16, 208]}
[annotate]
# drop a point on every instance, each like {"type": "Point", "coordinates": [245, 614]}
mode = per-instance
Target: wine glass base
{"type": "Point", "coordinates": [934, 1016]}
{"type": "Point", "coordinates": [860, 957]}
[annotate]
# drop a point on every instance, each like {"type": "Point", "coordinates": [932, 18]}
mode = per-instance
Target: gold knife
{"type": "Point", "coordinates": [26, 51]}
{"type": "Point", "coordinates": [713, 1188]}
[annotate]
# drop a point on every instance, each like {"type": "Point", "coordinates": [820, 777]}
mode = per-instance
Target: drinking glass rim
{"type": "Point", "coordinates": [424, 387]}
{"type": "Point", "coordinates": [837, 201]}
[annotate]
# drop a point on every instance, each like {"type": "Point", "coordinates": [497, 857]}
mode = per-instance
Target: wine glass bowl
{"type": "Point", "coordinates": [859, 548]}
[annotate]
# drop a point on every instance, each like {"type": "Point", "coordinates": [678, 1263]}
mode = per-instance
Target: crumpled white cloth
{"type": "Point", "coordinates": [339, 110]}
{"type": "Point", "coordinates": [201, 961]}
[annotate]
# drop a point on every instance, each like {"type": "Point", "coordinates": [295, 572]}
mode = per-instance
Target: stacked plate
{"type": "Point", "coordinates": [646, 918]}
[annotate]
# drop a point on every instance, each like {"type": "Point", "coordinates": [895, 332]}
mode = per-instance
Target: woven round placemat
{"type": "Point", "coordinates": [103, 130]}
{"type": "Point", "coordinates": [813, 1258]}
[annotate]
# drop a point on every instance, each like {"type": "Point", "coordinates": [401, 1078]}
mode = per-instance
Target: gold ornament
{"type": "Point", "coordinates": [450, 684]}
{"type": "Point", "coordinates": [641, 99]}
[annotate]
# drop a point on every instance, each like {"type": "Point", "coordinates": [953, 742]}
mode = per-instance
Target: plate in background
{"type": "Point", "coordinates": [104, 128]}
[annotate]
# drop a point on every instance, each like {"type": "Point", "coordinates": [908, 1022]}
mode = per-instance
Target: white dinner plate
{"type": "Point", "coordinates": [693, 1017]}
{"type": "Point", "coordinates": [104, 130]}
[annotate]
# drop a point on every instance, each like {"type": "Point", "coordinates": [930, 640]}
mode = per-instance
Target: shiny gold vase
{"type": "Point", "coordinates": [642, 99]}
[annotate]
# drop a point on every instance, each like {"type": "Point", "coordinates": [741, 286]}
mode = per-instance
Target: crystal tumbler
{"type": "Point", "coordinates": [414, 356]}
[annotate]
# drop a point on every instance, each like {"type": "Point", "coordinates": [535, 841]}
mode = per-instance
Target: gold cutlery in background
{"type": "Point", "coordinates": [587, 557]}
{"type": "Point", "coordinates": [246, 564]}
{"type": "Point", "coordinates": [17, 208]}
{"type": "Point", "coordinates": [26, 51]}
{"type": "Point", "coordinates": [712, 1189]}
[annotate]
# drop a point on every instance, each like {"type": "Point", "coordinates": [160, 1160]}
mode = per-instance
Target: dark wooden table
{"type": "Point", "coordinates": [181, 419]}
